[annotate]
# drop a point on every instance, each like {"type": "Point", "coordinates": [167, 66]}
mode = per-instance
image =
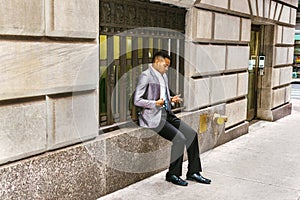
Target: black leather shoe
{"type": "Point", "coordinates": [176, 180]}
{"type": "Point", "coordinates": [197, 177]}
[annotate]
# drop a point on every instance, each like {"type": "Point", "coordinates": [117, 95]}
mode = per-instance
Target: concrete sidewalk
{"type": "Point", "coordinates": [262, 165]}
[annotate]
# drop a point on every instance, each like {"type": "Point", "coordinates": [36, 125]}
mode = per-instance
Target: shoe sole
{"type": "Point", "coordinates": [192, 179]}
{"type": "Point", "coordinates": [176, 183]}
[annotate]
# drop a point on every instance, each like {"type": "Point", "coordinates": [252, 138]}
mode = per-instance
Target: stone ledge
{"type": "Point", "coordinates": [281, 112]}
{"type": "Point", "coordinates": [95, 168]}
{"type": "Point", "coordinates": [66, 174]}
{"type": "Point", "coordinates": [85, 171]}
{"type": "Point", "coordinates": [233, 133]}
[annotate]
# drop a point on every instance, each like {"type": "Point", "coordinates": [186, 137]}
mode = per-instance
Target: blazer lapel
{"type": "Point", "coordinates": [153, 75]}
{"type": "Point", "coordinates": [155, 82]}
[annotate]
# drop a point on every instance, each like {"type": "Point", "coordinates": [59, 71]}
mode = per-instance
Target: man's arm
{"type": "Point", "coordinates": [140, 91]}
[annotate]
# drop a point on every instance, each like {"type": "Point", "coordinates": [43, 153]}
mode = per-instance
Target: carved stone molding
{"type": "Point", "coordinates": [118, 16]}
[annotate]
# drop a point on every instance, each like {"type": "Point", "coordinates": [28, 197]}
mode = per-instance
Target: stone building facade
{"type": "Point", "coordinates": [49, 97]}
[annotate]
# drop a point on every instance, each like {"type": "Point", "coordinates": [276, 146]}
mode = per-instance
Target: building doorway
{"type": "Point", "coordinates": [255, 51]}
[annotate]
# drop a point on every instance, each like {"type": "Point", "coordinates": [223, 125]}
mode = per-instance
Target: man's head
{"type": "Point", "coordinates": [161, 61]}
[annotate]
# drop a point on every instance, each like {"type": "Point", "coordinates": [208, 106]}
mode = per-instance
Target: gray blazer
{"type": "Point", "coordinates": [147, 92]}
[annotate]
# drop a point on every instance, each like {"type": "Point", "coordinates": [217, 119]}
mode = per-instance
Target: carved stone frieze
{"type": "Point", "coordinates": [105, 10]}
{"type": "Point", "coordinates": [117, 16]}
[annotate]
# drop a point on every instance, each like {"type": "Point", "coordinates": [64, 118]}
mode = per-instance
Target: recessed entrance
{"type": "Point", "coordinates": [255, 46]}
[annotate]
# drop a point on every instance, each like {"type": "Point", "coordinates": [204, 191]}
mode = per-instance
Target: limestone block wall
{"type": "Point", "coordinates": [72, 18]}
{"type": "Point", "coordinates": [71, 118]}
{"type": "Point", "coordinates": [276, 84]}
{"type": "Point", "coordinates": [49, 75]}
{"type": "Point", "coordinates": [217, 55]}
{"type": "Point", "coordinates": [23, 128]}
{"type": "Point", "coordinates": [217, 52]}
{"type": "Point", "coordinates": [282, 65]}
{"type": "Point", "coordinates": [236, 112]}
{"type": "Point", "coordinates": [283, 11]}
{"type": "Point", "coordinates": [22, 17]}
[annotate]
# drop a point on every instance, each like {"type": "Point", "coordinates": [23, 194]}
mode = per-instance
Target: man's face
{"type": "Point", "coordinates": [162, 65]}
{"type": "Point", "coordinates": [168, 62]}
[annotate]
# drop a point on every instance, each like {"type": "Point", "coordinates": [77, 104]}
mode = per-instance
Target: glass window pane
{"type": "Point", "coordinates": [140, 47]}
{"type": "Point", "coordinates": [102, 90]}
{"type": "Point", "coordinates": [150, 47]}
{"type": "Point", "coordinates": [116, 47]}
{"type": "Point", "coordinates": [128, 47]}
{"type": "Point", "coordinates": [159, 44]}
{"type": "Point", "coordinates": [103, 47]}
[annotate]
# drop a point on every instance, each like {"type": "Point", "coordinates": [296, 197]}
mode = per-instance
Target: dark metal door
{"type": "Point", "coordinates": [255, 44]}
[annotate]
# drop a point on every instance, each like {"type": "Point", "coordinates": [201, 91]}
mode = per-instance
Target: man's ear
{"type": "Point", "coordinates": [156, 62]}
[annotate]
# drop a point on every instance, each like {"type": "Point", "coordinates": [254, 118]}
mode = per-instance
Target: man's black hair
{"type": "Point", "coordinates": [162, 54]}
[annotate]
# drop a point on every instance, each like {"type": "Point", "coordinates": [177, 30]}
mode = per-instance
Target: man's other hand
{"type": "Point", "coordinates": [176, 99]}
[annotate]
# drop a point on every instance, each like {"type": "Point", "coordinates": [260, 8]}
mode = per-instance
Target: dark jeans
{"type": "Point", "coordinates": [181, 135]}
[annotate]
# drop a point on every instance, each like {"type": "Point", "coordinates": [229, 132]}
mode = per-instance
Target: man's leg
{"type": "Point", "coordinates": [171, 133]}
{"type": "Point", "coordinates": [191, 143]}
{"type": "Point", "coordinates": [194, 167]}
{"type": "Point", "coordinates": [192, 149]}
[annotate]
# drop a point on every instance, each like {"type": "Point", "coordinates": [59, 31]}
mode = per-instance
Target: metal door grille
{"type": "Point", "coordinates": [123, 47]}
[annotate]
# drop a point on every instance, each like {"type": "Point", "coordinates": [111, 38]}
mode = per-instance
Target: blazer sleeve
{"type": "Point", "coordinates": [141, 89]}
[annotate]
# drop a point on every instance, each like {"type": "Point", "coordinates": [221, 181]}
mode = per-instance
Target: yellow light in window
{"type": "Point", "coordinates": [103, 47]}
{"type": "Point", "coordinates": [128, 47]}
{"type": "Point", "coordinates": [140, 47]}
{"type": "Point", "coordinates": [116, 47]}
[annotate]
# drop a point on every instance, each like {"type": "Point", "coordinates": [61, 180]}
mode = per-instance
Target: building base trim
{"type": "Point", "coordinates": [282, 111]}
{"type": "Point", "coordinates": [233, 133]}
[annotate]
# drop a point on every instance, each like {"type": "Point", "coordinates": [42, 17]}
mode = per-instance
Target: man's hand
{"type": "Point", "coordinates": [160, 102]}
{"type": "Point", "coordinates": [176, 99]}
